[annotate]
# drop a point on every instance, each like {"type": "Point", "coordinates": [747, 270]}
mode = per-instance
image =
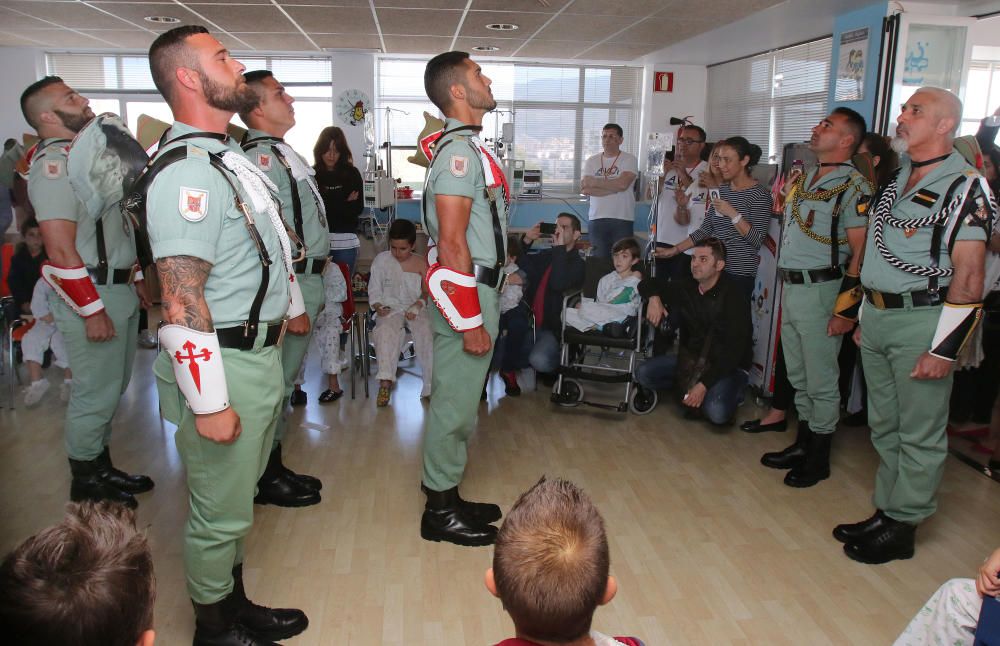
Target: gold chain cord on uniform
{"type": "Point", "coordinates": [801, 195]}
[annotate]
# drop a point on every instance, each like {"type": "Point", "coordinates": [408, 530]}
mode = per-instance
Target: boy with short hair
{"type": "Point", "coordinates": [617, 301]}
{"type": "Point", "coordinates": [87, 581]}
{"type": "Point", "coordinates": [550, 568]}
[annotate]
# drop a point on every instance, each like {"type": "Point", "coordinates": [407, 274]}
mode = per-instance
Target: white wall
{"type": "Point", "coordinates": [21, 67]}
{"type": "Point", "coordinates": [688, 97]}
{"type": "Point", "coordinates": [353, 71]}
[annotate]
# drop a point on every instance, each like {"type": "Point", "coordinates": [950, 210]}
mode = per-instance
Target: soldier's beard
{"type": "Point", "coordinates": [75, 122]}
{"type": "Point", "coordinates": [231, 99]}
{"type": "Point", "coordinates": [482, 101]}
{"type": "Point", "coordinates": [899, 145]}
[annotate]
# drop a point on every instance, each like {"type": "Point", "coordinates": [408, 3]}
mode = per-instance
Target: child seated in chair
{"type": "Point", "coordinates": [327, 337]}
{"type": "Point", "coordinates": [550, 568]}
{"type": "Point", "coordinates": [616, 307]}
{"type": "Point", "coordinates": [396, 294]}
{"type": "Point", "coordinates": [515, 320]}
{"type": "Point", "coordinates": [31, 295]}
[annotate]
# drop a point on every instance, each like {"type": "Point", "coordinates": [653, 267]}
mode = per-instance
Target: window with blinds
{"type": "Point", "coordinates": [557, 110]}
{"type": "Point", "coordinates": [982, 94]}
{"type": "Point", "coordinates": [122, 83]}
{"type": "Point", "coordinates": [771, 99]}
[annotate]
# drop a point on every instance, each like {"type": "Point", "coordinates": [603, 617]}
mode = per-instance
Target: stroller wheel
{"type": "Point", "coordinates": [571, 393]}
{"type": "Point", "coordinates": [642, 401]}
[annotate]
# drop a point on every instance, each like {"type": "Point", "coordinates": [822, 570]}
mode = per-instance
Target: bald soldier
{"type": "Point", "coordinates": [923, 285]}
{"type": "Point", "coordinates": [303, 211]}
{"type": "Point", "coordinates": [92, 267]}
{"type": "Point", "coordinates": [225, 264]}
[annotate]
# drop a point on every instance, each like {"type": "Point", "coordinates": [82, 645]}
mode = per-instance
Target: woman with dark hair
{"type": "Point", "coordinates": [738, 215]}
{"type": "Point", "coordinates": [884, 158]}
{"type": "Point", "coordinates": [342, 189]}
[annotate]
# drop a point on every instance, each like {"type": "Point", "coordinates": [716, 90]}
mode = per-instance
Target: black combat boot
{"type": "Point", "coordinates": [854, 532]}
{"type": "Point", "coordinates": [816, 464]}
{"type": "Point", "coordinates": [308, 482]}
{"type": "Point", "coordinates": [790, 456]}
{"type": "Point", "coordinates": [270, 623]}
{"type": "Point", "coordinates": [893, 540]}
{"type": "Point", "coordinates": [87, 484]}
{"type": "Point", "coordinates": [276, 488]}
{"type": "Point", "coordinates": [120, 479]}
{"type": "Point", "coordinates": [215, 624]}
{"type": "Point", "coordinates": [482, 512]}
{"type": "Point", "coordinates": [444, 520]}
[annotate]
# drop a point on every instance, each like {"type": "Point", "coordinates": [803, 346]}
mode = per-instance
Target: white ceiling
{"type": "Point", "coordinates": [584, 29]}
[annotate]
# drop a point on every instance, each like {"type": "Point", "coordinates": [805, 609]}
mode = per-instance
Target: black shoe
{"type": "Point", "coordinates": [270, 623]}
{"type": "Point", "coordinates": [510, 383]}
{"type": "Point", "coordinates": [754, 426]}
{"type": "Point", "coordinates": [854, 532]}
{"type": "Point", "coordinates": [307, 482]}
{"type": "Point", "coordinates": [276, 488]}
{"type": "Point", "coordinates": [815, 466]}
{"type": "Point", "coordinates": [118, 478]}
{"type": "Point", "coordinates": [894, 541]}
{"type": "Point", "coordinates": [328, 396]}
{"type": "Point", "coordinates": [298, 398]}
{"type": "Point", "coordinates": [791, 456]}
{"type": "Point", "coordinates": [215, 624]}
{"type": "Point", "coordinates": [444, 520]}
{"type": "Point", "coordinates": [87, 484]}
{"type": "Point", "coordinates": [483, 512]}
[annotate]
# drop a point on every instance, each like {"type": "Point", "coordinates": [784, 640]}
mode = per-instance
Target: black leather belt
{"type": "Point", "coordinates": [921, 298]}
{"type": "Point", "coordinates": [237, 337]}
{"type": "Point", "coordinates": [118, 276]}
{"type": "Point", "coordinates": [311, 266]}
{"type": "Point", "coordinates": [490, 276]}
{"type": "Point", "coordinates": [824, 275]}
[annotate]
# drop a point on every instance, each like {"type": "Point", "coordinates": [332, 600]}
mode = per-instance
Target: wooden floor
{"type": "Point", "coordinates": [708, 546]}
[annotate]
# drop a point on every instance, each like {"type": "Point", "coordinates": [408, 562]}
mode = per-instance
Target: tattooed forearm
{"type": "Point", "coordinates": [182, 282]}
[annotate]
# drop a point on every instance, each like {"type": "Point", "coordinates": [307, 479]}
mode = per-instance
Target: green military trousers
{"type": "Point", "coordinates": [811, 355]}
{"type": "Point", "coordinates": [907, 416]}
{"type": "Point", "coordinates": [101, 371]}
{"type": "Point", "coordinates": [457, 383]}
{"type": "Point", "coordinates": [222, 478]}
{"type": "Point", "coordinates": [293, 348]}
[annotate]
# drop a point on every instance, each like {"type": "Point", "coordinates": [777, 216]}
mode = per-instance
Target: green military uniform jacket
{"type": "Point", "coordinates": [312, 227]}
{"type": "Point", "coordinates": [913, 245]}
{"type": "Point", "coordinates": [459, 172]}
{"type": "Point", "coordinates": [192, 212]}
{"type": "Point", "coordinates": [806, 237]}
{"type": "Point", "coordinates": [53, 198]}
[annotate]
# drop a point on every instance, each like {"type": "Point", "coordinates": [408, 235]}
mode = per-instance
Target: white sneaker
{"type": "Point", "coordinates": [33, 393]}
{"type": "Point", "coordinates": [64, 391]}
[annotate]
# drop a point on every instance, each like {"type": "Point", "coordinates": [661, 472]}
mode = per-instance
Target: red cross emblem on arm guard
{"type": "Point", "coordinates": [205, 354]}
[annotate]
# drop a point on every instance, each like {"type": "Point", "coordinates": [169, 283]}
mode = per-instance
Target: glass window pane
{"type": "Point", "coordinates": [311, 91]}
{"type": "Point", "coordinates": [546, 140]}
{"type": "Point", "coordinates": [597, 85]}
{"type": "Point", "coordinates": [301, 70]}
{"type": "Point", "coordinates": [102, 105]}
{"type": "Point", "coordinates": [402, 78]}
{"type": "Point", "coordinates": [408, 174]}
{"type": "Point", "coordinates": [976, 94]}
{"type": "Point", "coordinates": [547, 83]}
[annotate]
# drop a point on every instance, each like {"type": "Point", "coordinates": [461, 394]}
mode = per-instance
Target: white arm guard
{"type": "Point", "coordinates": [297, 307]}
{"type": "Point", "coordinates": [456, 296]}
{"type": "Point", "coordinates": [955, 325]}
{"type": "Point", "coordinates": [73, 284]}
{"type": "Point", "coordinates": [197, 361]}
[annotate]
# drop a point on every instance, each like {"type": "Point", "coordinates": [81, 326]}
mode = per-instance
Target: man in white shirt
{"type": "Point", "coordinates": [681, 205]}
{"type": "Point", "coordinates": [608, 178]}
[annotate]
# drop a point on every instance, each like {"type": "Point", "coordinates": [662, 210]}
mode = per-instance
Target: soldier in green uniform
{"type": "Point", "coordinates": [465, 212]}
{"type": "Point", "coordinates": [91, 265]}
{"type": "Point", "coordinates": [302, 209]}
{"type": "Point", "coordinates": [224, 261]}
{"type": "Point", "coordinates": [824, 227]}
{"type": "Point", "coordinates": [923, 281]}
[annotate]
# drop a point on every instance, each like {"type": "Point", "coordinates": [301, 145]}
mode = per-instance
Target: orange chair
{"type": "Point", "coordinates": [6, 253]}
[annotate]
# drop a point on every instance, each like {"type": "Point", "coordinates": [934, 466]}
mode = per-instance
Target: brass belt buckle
{"type": "Point", "coordinates": [877, 299]}
{"type": "Point", "coordinates": [131, 274]}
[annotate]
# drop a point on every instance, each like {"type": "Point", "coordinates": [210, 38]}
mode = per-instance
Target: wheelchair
{"type": "Point", "coordinates": [599, 357]}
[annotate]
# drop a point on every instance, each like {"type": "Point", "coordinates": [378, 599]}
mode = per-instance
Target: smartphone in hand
{"type": "Point", "coordinates": [713, 194]}
{"type": "Point", "coordinates": [547, 228]}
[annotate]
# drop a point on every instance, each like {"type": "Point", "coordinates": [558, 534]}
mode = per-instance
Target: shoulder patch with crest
{"type": "Point", "coordinates": [264, 161]}
{"type": "Point", "coordinates": [193, 204]}
{"type": "Point", "coordinates": [459, 165]}
{"type": "Point", "coordinates": [925, 198]}
{"type": "Point", "coordinates": [53, 168]}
